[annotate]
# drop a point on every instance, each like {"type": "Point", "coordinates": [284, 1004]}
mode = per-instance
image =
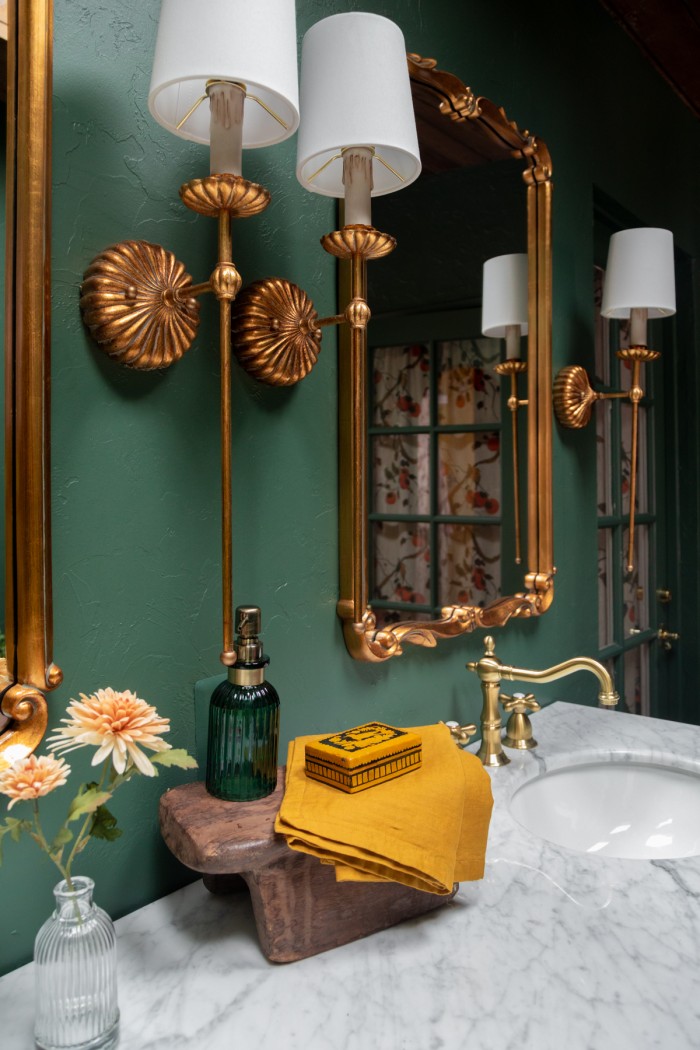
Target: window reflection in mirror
{"type": "Point", "coordinates": [441, 505]}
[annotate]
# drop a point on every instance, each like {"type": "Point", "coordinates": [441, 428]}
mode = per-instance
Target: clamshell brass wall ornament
{"type": "Point", "coordinates": [28, 671]}
{"type": "Point", "coordinates": [446, 109]}
{"type": "Point", "coordinates": [137, 305]}
{"type": "Point", "coordinates": [276, 332]}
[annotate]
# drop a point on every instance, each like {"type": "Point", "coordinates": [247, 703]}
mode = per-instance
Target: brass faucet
{"type": "Point", "coordinates": [491, 671]}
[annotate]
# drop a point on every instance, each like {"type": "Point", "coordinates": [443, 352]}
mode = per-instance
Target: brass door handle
{"type": "Point", "coordinates": [666, 637]}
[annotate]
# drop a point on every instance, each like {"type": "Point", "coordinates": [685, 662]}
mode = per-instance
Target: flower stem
{"type": "Point", "coordinates": [45, 846]}
{"type": "Point", "coordinates": [82, 834]}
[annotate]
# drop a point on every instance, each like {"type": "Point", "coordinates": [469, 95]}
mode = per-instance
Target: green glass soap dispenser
{"type": "Point", "coordinates": [244, 721]}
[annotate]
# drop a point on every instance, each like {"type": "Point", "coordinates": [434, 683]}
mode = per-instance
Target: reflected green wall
{"type": "Point", "coordinates": [135, 458]}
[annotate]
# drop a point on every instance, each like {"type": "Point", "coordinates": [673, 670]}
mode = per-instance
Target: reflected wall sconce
{"type": "Point", "coordinates": [357, 140]}
{"type": "Point", "coordinates": [639, 285]}
{"type": "Point", "coordinates": [504, 315]}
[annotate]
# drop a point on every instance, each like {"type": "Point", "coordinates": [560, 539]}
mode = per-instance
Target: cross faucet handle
{"type": "Point", "coordinates": [461, 734]}
{"type": "Point", "coordinates": [519, 730]}
{"type": "Point", "coordinates": [519, 703]}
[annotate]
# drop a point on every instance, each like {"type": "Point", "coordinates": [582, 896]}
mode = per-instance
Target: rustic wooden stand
{"type": "Point", "coordinates": [300, 909]}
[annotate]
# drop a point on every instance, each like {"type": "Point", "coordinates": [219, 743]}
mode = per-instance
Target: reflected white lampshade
{"type": "Point", "coordinates": [504, 295]}
{"type": "Point", "coordinates": [640, 274]}
{"type": "Point", "coordinates": [252, 42]}
{"type": "Point", "coordinates": [355, 91]}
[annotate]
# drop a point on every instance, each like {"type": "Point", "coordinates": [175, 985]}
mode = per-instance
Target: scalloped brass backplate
{"type": "Point", "coordinates": [276, 337]}
{"type": "Point", "coordinates": [135, 302]}
{"type": "Point", "coordinates": [573, 397]}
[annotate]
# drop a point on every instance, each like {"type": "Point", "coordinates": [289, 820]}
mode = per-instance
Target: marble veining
{"type": "Point", "coordinates": [552, 949]}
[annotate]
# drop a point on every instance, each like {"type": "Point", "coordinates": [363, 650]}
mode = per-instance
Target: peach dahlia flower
{"type": "Point", "coordinates": [119, 724]}
{"type": "Point", "coordinates": [32, 777]}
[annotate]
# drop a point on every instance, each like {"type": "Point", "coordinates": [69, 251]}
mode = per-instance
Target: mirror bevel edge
{"type": "Point", "coordinates": [29, 670]}
{"type": "Point", "coordinates": [363, 639]}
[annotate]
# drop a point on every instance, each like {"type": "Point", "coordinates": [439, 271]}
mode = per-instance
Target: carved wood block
{"type": "Point", "coordinates": [300, 909]}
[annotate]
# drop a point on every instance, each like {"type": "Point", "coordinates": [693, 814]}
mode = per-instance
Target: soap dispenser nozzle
{"type": "Point", "coordinates": [248, 645]}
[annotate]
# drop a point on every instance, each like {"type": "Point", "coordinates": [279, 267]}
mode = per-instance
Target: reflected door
{"type": "Point", "coordinates": [635, 608]}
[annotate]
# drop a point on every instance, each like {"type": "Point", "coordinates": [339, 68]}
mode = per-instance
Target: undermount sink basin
{"type": "Point", "coordinates": [631, 809]}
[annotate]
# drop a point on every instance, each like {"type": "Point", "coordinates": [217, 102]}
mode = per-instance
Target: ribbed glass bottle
{"type": "Point", "coordinates": [243, 738]}
{"type": "Point", "coordinates": [75, 963]}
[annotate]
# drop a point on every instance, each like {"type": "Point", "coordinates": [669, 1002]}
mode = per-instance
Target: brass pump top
{"type": "Point", "coordinates": [248, 645]}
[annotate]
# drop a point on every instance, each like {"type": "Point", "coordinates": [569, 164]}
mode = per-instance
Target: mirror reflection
{"type": "Point", "coordinates": [430, 537]}
{"type": "Point", "coordinates": [442, 507]}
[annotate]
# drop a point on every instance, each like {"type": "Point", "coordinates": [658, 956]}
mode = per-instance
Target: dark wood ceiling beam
{"type": "Point", "coordinates": [668, 34]}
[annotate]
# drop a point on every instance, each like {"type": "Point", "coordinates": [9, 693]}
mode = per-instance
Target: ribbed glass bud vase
{"type": "Point", "coordinates": [75, 964]}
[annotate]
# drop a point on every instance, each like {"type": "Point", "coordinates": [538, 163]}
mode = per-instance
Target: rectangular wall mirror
{"type": "Point", "coordinates": [445, 517]}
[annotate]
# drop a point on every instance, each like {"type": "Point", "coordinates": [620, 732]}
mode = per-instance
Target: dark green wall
{"type": "Point", "coordinates": [135, 458]}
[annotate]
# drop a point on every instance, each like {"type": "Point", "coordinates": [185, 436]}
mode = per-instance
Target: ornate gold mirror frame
{"type": "Point", "coordinates": [29, 670]}
{"type": "Point", "coordinates": [442, 99]}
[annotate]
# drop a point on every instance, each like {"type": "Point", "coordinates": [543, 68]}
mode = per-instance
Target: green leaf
{"type": "Point", "coordinates": [87, 801]}
{"type": "Point", "coordinates": [63, 836]}
{"type": "Point", "coordinates": [16, 826]}
{"type": "Point", "coordinates": [104, 825]}
{"type": "Point", "coordinates": [176, 756]}
{"type": "Point", "coordinates": [13, 827]}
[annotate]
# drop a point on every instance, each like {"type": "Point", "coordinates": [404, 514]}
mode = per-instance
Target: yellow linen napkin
{"type": "Point", "coordinates": [427, 829]}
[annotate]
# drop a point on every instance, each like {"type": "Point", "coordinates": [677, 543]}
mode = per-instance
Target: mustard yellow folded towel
{"type": "Point", "coordinates": [427, 829]}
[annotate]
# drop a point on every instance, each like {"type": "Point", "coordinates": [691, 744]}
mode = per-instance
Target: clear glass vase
{"type": "Point", "coordinates": [75, 964]}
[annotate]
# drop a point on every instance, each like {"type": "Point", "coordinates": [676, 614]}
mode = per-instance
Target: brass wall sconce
{"type": "Point", "coordinates": [357, 139]}
{"type": "Point", "coordinates": [639, 284]}
{"type": "Point", "coordinates": [504, 316]}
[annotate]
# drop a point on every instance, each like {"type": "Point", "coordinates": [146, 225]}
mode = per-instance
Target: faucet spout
{"type": "Point", "coordinates": [491, 672]}
{"type": "Point", "coordinates": [607, 694]}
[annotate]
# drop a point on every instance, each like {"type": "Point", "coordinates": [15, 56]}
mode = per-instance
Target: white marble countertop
{"type": "Point", "coordinates": [551, 949]}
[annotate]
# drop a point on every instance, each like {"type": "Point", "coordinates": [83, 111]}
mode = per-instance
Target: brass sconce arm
{"type": "Point", "coordinates": [513, 368]}
{"type": "Point", "coordinates": [574, 399]}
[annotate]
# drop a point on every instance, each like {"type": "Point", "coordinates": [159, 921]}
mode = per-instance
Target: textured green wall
{"type": "Point", "coordinates": [135, 458]}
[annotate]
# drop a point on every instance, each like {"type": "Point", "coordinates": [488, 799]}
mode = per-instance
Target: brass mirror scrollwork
{"type": "Point", "coordinates": [449, 109]}
{"type": "Point", "coordinates": [29, 671]}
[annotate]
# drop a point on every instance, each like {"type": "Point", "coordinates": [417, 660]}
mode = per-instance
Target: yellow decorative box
{"type": "Point", "coordinates": [364, 756]}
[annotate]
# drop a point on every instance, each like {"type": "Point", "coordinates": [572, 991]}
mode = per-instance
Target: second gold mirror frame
{"type": "Point", "coordinates": [28, 671]}
{"type": "Point", "coordinates": [448, 111]}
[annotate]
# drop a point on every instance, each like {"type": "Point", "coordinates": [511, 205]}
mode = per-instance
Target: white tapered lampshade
{"type": "Point", "coordinates": [640, 274]}
{"type": "Point", "coordinates": [252, 42]}
{"type": "Point", "coordinates": [504, 296]}
{"type": "Point", "coordinates": [355, 91]}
